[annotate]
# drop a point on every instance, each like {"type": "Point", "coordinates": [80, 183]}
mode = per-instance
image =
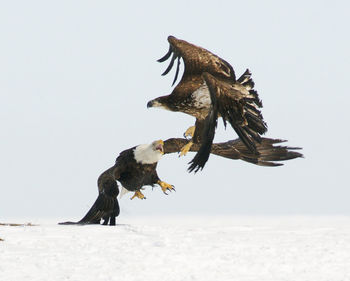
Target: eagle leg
{"type": "Point", "coordinates": [138, 194]}
{"type": "Point", "coordinates": [165, 186]}
{"type": "Point", "coordinates": [190, 132]}
{"type": "Point", "coordinates": [186, 148]}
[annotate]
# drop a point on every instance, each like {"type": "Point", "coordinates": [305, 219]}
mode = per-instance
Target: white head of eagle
{"type": "Point", "coordinates": [149, 153]}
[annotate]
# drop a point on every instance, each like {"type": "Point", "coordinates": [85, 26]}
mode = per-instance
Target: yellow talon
{"type": "Point", "coordinates": [190, 131]}
{"type": "Point", "coordinates": [138, 194]}
{"type": "Point", "coordinates": [186, 148]}
{"type": "Point", "coordinates": [165, 186]}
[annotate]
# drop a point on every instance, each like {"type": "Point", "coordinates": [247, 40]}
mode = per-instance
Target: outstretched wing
{"type": "Point", "coordinates": [196, 59]}
{"type": "Point", "coordinates": [237, 103]}
{"type": "Point", "coordinates": [270, 153]}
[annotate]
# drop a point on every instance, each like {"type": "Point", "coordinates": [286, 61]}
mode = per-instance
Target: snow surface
{"type": "Point", "coordinates": [181, 249]}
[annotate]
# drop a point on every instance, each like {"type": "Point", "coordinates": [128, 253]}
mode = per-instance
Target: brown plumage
{"type": "Point", "coordinates": [209, 89]}
{"type": "Point", "coordinates": [106, 205]}
{"type": "Point", "coordinates": [134, 168]}
{"type": "Point", "coordinates": [269, 152]}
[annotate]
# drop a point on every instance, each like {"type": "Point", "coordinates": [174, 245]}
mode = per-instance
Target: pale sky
{"type": "Point", "coordinates": [75, 78]}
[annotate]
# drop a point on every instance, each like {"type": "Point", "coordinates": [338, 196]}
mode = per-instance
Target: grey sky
{"type": "Point", "coordinates": [75, 77]}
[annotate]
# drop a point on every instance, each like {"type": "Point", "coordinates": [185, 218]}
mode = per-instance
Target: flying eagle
{"type": "Point", "coordinates": [136, 167]}
{"type": "Point", "coordinates": [133, 168]}
{"type": "Point", "coordinates": [209, 89]}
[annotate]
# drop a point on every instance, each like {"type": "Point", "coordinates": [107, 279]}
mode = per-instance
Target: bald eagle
{"type": "Point", "coordinates": [133, 168]}
{"type": "Point", "coordinates": [136, 167]}
{"type": "Point", "coordinates": [209, 89]}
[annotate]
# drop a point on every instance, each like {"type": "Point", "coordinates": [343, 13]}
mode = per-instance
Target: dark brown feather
{"type": "Point", "coordinates": [198, 59]}
{"type": "Point", "coordinates": [208, 133]}
{"type": "Point", "coordinates": [106, 205]}
{"type": "Point", "coordinates": [269, 152]}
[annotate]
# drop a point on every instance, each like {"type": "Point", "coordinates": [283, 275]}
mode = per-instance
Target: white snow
{"type": "Point", "coordinates": [181, 249]}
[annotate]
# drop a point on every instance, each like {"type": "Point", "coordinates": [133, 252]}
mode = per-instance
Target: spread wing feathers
{"type": "Point", "coordinates": [106, 205]}
{"type": "Point", "coordinates": [196, 60]}
{"type": "Point", "coordinates": [238, 103]}
{"type": "Point", "coordinates": [269, 150]}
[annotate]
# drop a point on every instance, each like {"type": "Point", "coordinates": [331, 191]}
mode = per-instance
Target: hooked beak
{"type": "Point", "coordinates": [150, 104]}
{"type": "Point", "coordinates": [160, 146]}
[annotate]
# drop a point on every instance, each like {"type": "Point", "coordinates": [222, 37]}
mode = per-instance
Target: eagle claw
{"type": "Point", "coordinates": [172, 188]}
{"type": "Point", "coordinates": [189, 132]}
{"type": "Point", "coordinates": [166, 187]}
{"type": "Point", "coordinates": [138, 194]}
{"type": "Point", "coordinates": [186, 148]}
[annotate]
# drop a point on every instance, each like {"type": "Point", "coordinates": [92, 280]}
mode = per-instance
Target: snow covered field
{"type": "Point", "coordinates": [179, 248]}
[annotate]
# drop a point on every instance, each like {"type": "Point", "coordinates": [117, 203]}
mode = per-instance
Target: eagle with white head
{"type": "Point", "coordinates": [134, 168]}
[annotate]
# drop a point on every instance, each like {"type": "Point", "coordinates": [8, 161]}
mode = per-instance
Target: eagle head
{"type": "Point", "coordinates": [164, 102]}
{"type": "Point", "coordinates": [149, 153]}
{"type": "Point", "coordinates": [158, 146]}
{"type": "Point", "coordinates": [158, 102]}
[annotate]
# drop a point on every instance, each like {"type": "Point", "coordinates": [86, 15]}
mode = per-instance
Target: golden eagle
{"type": "Point", "coordinates": [209, 89]}
{"type": "Point", "coordinates": [136, 167]}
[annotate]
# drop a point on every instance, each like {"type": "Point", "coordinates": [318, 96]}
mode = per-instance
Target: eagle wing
{"type": "Point", "coordinates": [237, 103]}
{"type": "Point", "coordinates": [270, 153]}
{"type": "Point", "coordinates": [106, 205]}
{"type": "Point", "coordinates": [196, 59]}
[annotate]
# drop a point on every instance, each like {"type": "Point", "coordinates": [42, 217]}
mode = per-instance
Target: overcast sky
{"type": "Point", "coordinates": [75, 78]}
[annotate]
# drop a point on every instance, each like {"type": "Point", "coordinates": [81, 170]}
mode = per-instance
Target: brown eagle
{"type": "Point", "coordinates": [136, 167]}
{"type": "Point", "coordinates": [209, 89]}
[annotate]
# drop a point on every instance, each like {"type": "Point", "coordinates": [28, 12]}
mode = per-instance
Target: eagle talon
{"type": "Point", "coordinates": [166, 187]}
{"type": "Point", "coordinates": [138, 194]}
{"type": "Point", "coordinates": [186, 148]}
{"type": "Point", "coordinates": [189, 132]}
